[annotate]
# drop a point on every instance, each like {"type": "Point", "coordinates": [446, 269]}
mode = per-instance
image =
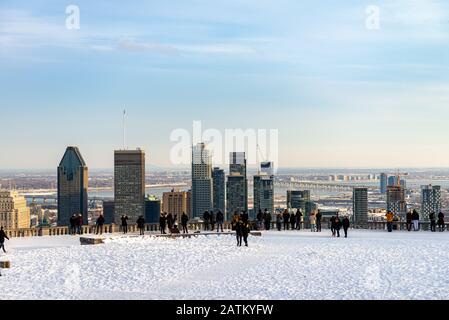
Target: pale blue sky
{"type": "Point", "coordinates": [341, 95]}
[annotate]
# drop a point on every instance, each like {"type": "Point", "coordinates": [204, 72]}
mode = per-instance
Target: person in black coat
{"type": "Point", "coordinates": [245, 232]}
{"type": "Point", "coordinates": [259, 218]}
{"type": "Point", "coordinates": [415, 220]}
{"type": "Point", "coordinates": [220, 220]}
{"type": "Point", "coordinates": [245, 217]}
{"type": "Point", "coordinates": [72, 222]}
{"type": "Point", "coordinates": [163, 222]}
{"type": "Point", "coordinates": [408, 220]}
{"type": "Point", "coordinates": [170, 221]}
{"type": "Point", "coordinates": [337, 225]}
{"type": "Point", "coordinates": [99, 224]}
{"type": "Point", "coordinates": [124, 220]}
{"type": "Point", "coordinates": [212, 220]}
{"type": "Point", "coordinates": [286, 218]}
{"type": "Point", "coordinates": [433, 223]}
{"type": "Point", "coordinates": [141, 225]}
{"type": "Point", "coordinates": [441, 221]}
{"type": "Point", "coordinates": [332, 221]}
{"type": "Point", "coordinates": [267, 218]}
{"type": "Point", "coordinates": [206, 217]}
{"type": "Point", "coordinates": [298, 219]}
{"type": "Point", "coordinates": [239, 232]}
{"type": "Point", "coordinates": [184, 221]}
{"type": "Point", "coordinates": [345, 223]}
{"type": "Point", "coordinates": [3, 236]}
{"type": "Point", "coordinates": [318, 217]}
{"type": "Point", "coordinates": [293, 221]}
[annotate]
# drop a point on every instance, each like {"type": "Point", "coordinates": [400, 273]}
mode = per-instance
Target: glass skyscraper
{"type": "Point", "coordinates": [219, 187]}
{"type": "Point", "coordinates": [237, 184]}
{"type": "Point", "coordinates": [202, 193]}
{"type": "Point", "coordinates": [431, 200]}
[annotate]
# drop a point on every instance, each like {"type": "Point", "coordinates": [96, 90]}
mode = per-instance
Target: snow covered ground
{"type": "Point", "coordinates": [278, 265]}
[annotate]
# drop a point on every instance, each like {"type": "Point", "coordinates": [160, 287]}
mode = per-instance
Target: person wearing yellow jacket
{"type": "Point", "coordinates": [390, 217]}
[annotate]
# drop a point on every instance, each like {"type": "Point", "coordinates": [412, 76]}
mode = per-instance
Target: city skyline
{"type": "Point", "coordinates": [335, 90]}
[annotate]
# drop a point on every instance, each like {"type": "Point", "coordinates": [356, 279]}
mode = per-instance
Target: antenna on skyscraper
{"type": "Point", "coordinates": [124, 129]}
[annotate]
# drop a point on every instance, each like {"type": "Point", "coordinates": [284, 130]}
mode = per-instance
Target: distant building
{"type": "Point", "coordinates": [392, 181]}
{"type": "Point", "coordinates": [72, 187]}
{"type": "Point", "coordinates": [431, 200]}
{"type": "Point", "coordinates": [297, 199]}
{"type": "Point", "coordinates": [129, 184]}
{"type": "Point", "coordinates": [219, 190]}
{"type": "Point", "coordinates": [383, 183]}
{"type": "Point", "coordinates": [360, 206]}
{"type": "Point", "coordinates": [237, 184]}
{"type": "Point", "coordinates": [175, 202]}
{"type": "Point", "coordinates": [108, 212]}
{"type": "Point", "coordinates": [14, 213]}
{"type": "Point", "coordinates": [263, 192]}
{"type": "Point", "coordinates": [152, 209]}
{"type": "Point", "coordinates": [396, 200]}
{"type": "Point", "coordinates": [202, 193]}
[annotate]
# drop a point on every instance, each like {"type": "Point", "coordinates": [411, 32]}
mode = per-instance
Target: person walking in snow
{"type": "Point", "coordinates": [319, 215]}
{"type": "Point", "coordinates": [286, 218]}
{"type": "Point", "coordinates": [408, 220]}
{"type": "Point", "coordinates": [441, 221]}
{"type": "Point", "coordinates": [124, 220]}
{"type": "Point", "coordinates": [99, 224]}
{"type": "Point", "coordinates": [332, 221]}
{"type": "Point", "coordinates": [245, 217]}
{"type": "Point", "coordinates": [3, 236]}
{"type": "Point", "coordinates": [279, 221]}
{"type": "Point", "coordinates": [245, 232]}
{"type": "Point", "coordinates": [433, 223]}
{"type": "Point", "coordinates": [141, 225]}
{"type": "Point", "coordinates": [298, 219]}
{"type": "Point", "coordinates": [220, 221]}
{"type": "Point", "coordinates": [259, 219]}
{"type": "Point", "coordinates": [184, 221]}
{"type": "Point", "coordinates": [312, 220]}
{"type": "Point", "coordinates": [337, 225]}
{"type": "Point", "coordinates": [206, 217]}
{"type": "Point", "coordinates": [163, 222]}
{"type": "Point", "coordinates": [267, 216]}
{"type": "Point", "coordinates": [415, 220]}
{"type": "Point", "coordinates": [345, 223]}
{"type": "Point", "coordinates": [293, 221]}
{"type": "Point", "coordinates": [239, 232]}
{"type": "Point", "coordinates": [390, 217]}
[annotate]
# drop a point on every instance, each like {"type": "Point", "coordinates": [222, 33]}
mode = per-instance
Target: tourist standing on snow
{"type": "Point", "coordinates": [124, 219]}
{"type": "Point", "coordinates": [235, 220]}
{"type": "Point", "coordinates": [3, 236]}
{"type": "Point", "coordinates": [441, 221]}
{"type": "Point", "coordinates": [433, 223]}
{"type": "Point", "coordinates": [245, 233]}
{"type": "Point", "coordinates": [332, 221]}
{"type": "Point", "coordinates": [408, 220]}
{"type": "Point", "coordinates": [184, 221]}
{"type": "Point", "coordinates": [312, 220]}
{"type": "Point", "coordinates": [163, 222]}
{"type": "Point", "coordinates": [239, 232]}
{"type": "Point", "coordinates": [170, 221]}
{"type": "Point", "coordinates": [212, 220]}
{"type": "Point", "coordinates": [259, 219]}
{"type": "Point", "coordinates": [220, 221]}
{"type": "Point", "coordinates": [286, 217]}
{"type": "Point", "coordinates": [390, 217]}
{"type": "Point", "coordinates": [99, 224]}
{"type": "Point", "coordinates": [318, 221]}
{"type": "Point", "coordinates": [298, 219]}
{"type": "Point", "coordinates": [79, 223]}
{"type": "Point", "coordinates": [415, 220]}
{"type": "Point", "coordinates": [267, 217]}
{"type": "Point", "coordinates": [206, 217]}
{"type": "Point", "coordinates": [293, 221]}
{"type": "Point", "coordinates": [345, 223]}
{"type": "Point", "coordinates": [245, 217]}
{"type": "Point", "coordinates": [73, 224]}
{"type": "Point", "coordinates": [279, 221]}
{"type": "Point", "coordinates": [337, 225]}
{"type": "Point", "coordinates": [141, 225]}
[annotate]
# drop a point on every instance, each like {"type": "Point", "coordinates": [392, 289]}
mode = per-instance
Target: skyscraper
{"type": "Point", "coordinates": [264, 189]}
{"type": "Point", "coordinates": [108, 211]}
{"type": "Point", "coordinates": [392, 181]}
{"type": "Point", "coordinates": [431, 200]}
{"type": "Point", "coordinates": [175, 202]}
{"type": "Point", "coordinates": [152, 209]}
{"type": "Point", "coordinates": [202, 194]}
{"type": "Point", "coordinates": [237, 184]}
{"type": "Point", "coordinates": [383, 183]}
{"type": "Point", "coordinates": [219, 188]}
{"type": "Point", "coordinates": [360, 206]}
{"type": "Point", "coordinates": [297, 199]}
{"type": "Point", "coordinates": [129, 184]}
{"type": "Point", "coordinates": [14, 213]}
{"type": "Point", "coordinates": [396, 200]}
{"type": "Point", "coordinates": [72, 186]}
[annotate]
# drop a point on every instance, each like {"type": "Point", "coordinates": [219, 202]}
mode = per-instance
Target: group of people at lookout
{"type": "Point", "coordinates": [412, 221]}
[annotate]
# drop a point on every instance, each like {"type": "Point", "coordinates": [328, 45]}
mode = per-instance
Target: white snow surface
{"type": "Point", "coordinates": [279, 265]}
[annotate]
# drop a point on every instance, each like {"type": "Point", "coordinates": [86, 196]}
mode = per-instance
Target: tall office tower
{"type": "Point", "coordinates": [108, 211]}
{"type": "Point", "coordinates": [129, 184]}
{"type": "Point", "coordinates": [392, 181]}
{"type": "Point", "coordinates": [202, 193]}
{"type": "Point", "coordinates": [297, 199]}
{"type": "Point", "coordinates": [403, 183]}
{"type": "Point", "coordinates": [431, 200]}
{"type": "Point", "coordinates": [360, 206]}
{"type": "Point", "coordinates": [152, 209]}
{"type": "Point", "coordinates": [72, 186]}
{"type": "Point", "coordinates": [383, 183]}
{"type": "Point", "coordinates": [175, 202]}
{"type": "Point", "coordinates": [264, 189]}
{"type": "Point", "coordinates": [14, 213]}
{"type": "Point", "coordinates": [219, 187]}
{"type": "Point", "coordinates": [396, 200]}
{"type": "Point", "coordinates": [237, 184]}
